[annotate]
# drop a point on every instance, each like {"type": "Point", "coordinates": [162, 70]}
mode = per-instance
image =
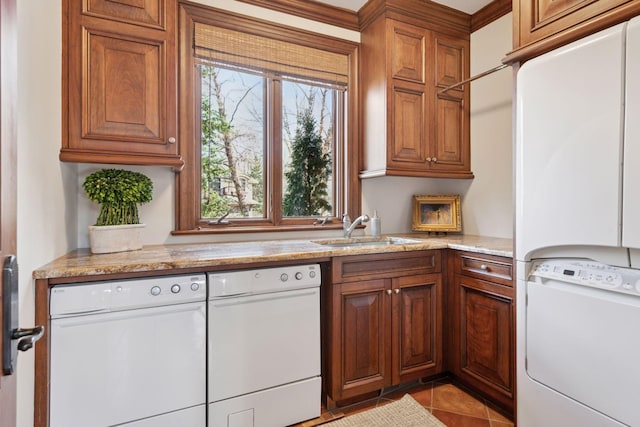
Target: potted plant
{"type": "Point", "coordinates": [119, 192]}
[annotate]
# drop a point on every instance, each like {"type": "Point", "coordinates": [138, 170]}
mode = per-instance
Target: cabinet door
{"type": "Point", "coordinates": [450, 150]}
{"type": "Point", "coordinates": [408, 44]}
{"type": "Point", "coordinates": [416, 327]}
{"type": "Point", "coordinates": [485, 339]}
{"type": "Point", "coordinates": [408, 142]}
{"type": "Point", "coordinates": [365, 336]}
{"type": "Point", "coordinates": [124, 92]}
{"type": "Point", "coordinates": [410, 101]}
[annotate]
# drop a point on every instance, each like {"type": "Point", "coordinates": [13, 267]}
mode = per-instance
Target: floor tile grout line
{"type": "Point", "coordinates": [458, 414]}
{"type": "Point", "coordinates": [486, 408]}
{"type": "Point", "coordinates": [431, 396]}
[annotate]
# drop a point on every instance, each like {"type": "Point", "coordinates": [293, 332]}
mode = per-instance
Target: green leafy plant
{"type": "Point", "coordinates": [119, 192]}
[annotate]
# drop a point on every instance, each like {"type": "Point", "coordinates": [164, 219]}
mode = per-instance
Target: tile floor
{"type": "Point", "coordinates": [451, 404]}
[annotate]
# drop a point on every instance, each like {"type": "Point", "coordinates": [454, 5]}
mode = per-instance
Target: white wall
{"type": "Point", "coordinates": [47, 206]}
{"type": "Point", "coordinates": [487, 199]}
{"type": "Point", "coordinates": [54, 213]}
{"type": "Point", "coordinates": [488, 206]}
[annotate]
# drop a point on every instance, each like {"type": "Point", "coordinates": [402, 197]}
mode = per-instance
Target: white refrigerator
{"type": "Point", "coordinates": [577, 168]}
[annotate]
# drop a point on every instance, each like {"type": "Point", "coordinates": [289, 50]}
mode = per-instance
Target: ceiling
{"type": "Point", "coordinates": [467, 6]}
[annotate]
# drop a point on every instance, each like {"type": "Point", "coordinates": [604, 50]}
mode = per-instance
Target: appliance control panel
{"type": "Point", "coordinates": [588, 273]}
{"type": "Point", "coordinates": [263, 280]}
{"type": "Point", "coordinates": [96, 297]}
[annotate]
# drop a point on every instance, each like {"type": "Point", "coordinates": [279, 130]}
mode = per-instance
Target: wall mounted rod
{"type": "Point", "coordinates": [477, 76]}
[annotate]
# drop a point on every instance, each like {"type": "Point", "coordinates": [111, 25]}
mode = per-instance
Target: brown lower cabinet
{"type": "Point", "coordinates": [389, 319]}
{"type": "Point", "coordinates": [481, 325]}
{"type": "Point", "coordinates": [384, 322]}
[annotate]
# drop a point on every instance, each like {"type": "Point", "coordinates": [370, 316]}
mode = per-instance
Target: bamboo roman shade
{"type": "Point", "coordinates": [231, 47]}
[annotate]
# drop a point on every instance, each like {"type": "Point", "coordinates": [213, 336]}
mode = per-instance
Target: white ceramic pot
{"type": "Point", "coordinates": [115, 238]}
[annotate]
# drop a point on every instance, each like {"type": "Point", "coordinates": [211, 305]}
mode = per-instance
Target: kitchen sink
{"type": "Point", "coordinates": [365, 242]}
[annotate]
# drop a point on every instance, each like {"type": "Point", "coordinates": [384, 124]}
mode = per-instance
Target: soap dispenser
{"type": "Point", "coordinates": [375, 224]}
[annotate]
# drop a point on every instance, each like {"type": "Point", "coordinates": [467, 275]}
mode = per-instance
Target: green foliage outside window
{"type": "Point", "coordinates": [309, 171]}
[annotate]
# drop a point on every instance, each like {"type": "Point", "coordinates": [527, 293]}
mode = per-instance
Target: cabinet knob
{"type": "Point", "coordinates": [484, 267]}
{"type": "Point", "coordinates": [171, 140]}
{"type": "Point", "coordinates": [388, 291]}
{"type": "Point", "coordinates": [434, 160]}
{"type": "Point", "coordinates": [428, 159]}
{"type": "Point", "coordinates": [397, 290]}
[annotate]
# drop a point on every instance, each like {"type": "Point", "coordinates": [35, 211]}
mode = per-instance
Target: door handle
{"type": "Point", "coordinates": [27, 337]}
{"type": "Point", "coordinates": [13, 338]}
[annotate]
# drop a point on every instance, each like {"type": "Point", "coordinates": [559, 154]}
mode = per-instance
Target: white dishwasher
{"type": "Point", "coordinates": [129, 353]}
{"type": "Point", "coordinates": [264, 347]}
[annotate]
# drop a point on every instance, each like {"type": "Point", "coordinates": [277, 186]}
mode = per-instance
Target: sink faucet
{"type": "Point", "coordinates": [348, 226]}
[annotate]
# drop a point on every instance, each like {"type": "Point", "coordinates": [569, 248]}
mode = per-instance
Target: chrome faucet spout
{"type": "Point", "coordinates": [349, 226]}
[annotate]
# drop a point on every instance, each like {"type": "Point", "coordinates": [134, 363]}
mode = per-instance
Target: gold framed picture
{"type": "Point", "coordinates": [436, 213]}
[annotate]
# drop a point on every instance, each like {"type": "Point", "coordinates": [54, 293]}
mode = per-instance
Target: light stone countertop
{"type": "Point", "coordinates": [166, 257]}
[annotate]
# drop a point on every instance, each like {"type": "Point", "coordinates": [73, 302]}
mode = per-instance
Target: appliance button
{"type": "Point", "coordinates": [312, 274]}
{"type": "Point", "coordinates": [175, 288]}
{"type": "Point", "coordinates": [298, 276]}
{"type": "Point", "coordinates": [284, 277]}
{"type": "Point", "coordinates": [195, 286]}
{"type": "Point", "coordinates": [155, 291]}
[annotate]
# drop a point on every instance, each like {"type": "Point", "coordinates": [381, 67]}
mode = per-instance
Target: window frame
{"type": "Point", "coordinates": [187, 215]}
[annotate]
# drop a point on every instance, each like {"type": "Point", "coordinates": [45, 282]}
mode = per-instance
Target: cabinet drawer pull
{"type": "Point", "coordinates": [388, 291]}
{"type": "Point", "coordinates": [484, 267]}
{"type": "Point", "coordinates": [171, 140]}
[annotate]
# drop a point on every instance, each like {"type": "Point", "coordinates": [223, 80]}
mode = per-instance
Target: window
{"type": "Point", "coordinates": [264, 126]}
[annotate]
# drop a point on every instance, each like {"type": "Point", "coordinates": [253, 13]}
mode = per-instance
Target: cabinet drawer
{"type": "Point", "coordinates": [385, 265]}
{"type": "Point", "coordinates": [493, 268]}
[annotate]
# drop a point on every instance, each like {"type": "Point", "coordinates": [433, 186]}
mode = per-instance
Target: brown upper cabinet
{"type": "Point", "coordinates": [411, 128]}
{"type": "Point", "coordinates": [543, 25]}
{"type": "Point", "coordinates": [120, 82]}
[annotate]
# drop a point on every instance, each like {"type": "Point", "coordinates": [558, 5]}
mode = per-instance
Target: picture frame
{"type": "Point", "coordinates": [437, 213]}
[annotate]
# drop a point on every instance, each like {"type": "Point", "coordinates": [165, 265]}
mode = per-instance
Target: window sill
{"type": "Point", "coordinates": [230, 228]}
